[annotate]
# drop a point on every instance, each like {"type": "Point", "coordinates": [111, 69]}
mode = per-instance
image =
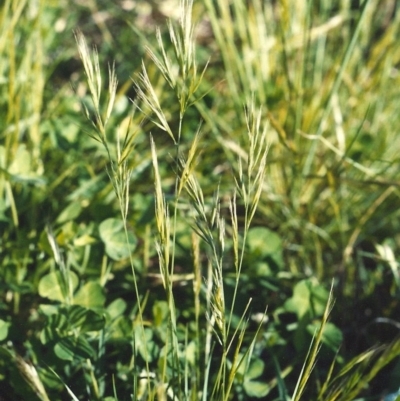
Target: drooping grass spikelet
{"type": "Point", "coordinates": [162, 221]}
{"type": "Point", "coordinates": [252, 185]}
{"type": "Point", "coordinates": [92, 69]}
{"type": "Point", "coordinates": [151, 103]}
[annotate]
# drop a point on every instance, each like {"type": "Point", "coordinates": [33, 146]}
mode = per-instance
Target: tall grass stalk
{"type": "Point", "coordinates": [248, 69]}
{"type": "Point", "coordinates": [308, 70]}
{"type": "Point", "coordinates": [118, 170]}
{"type": "Point", "coordinates": [181, 75]}
{"type": "Point", "coordinates": [287, 132]}
{"type": "Point", "coordinates": [184, 82]}
{"type": "Point", "coordinates": [347, 382]}
{"type": "Point", "coordinates": [358, 373]}
{"type": "Point", "coordinates": [311, 358]}
{"type": "Point", "coordinates": [23, 89]}
{"type": "Point", "coordinates": [249, 184]}
{"type": "Point", "coordinates": [335, 87]}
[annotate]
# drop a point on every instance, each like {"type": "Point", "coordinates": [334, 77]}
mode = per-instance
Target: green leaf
{"type": "Point", "coordinates": [3, 329]}
{"type": "Point", "coordinates": [160, 313]}
{"type": "Point", "coordinates": [84, 240]}
{"type": "Point", "coordinates": [299, 303]}
{"type": "Point", "coordinates": [331, 336]}
{"type": "Point", "coordinates": [121, 328]}
{"type": "Point", "coordinates": [76, 316]}
{"type": "Point", "coordinates": [44, 243]}
{"type": "Point", "coordinates": [57, 326]}
{"type": "Point", "coordinates": [116, 308]}
{"type": "Point", "coordinates": [70, 348]}
{"type": "Point", "coordinates": [263, 242]}
{"type": "Point", "coordinates": [54, 287]}
{"type": "Point", "coordinates": [190, 353]}
{"type": "Point", "coordinates": [113, 235]}
{"type": "Point", "coordinates": [319, 297]}
{"type": "Point", "coordinates": [256, 389]}
{"type": "Point", "coordinates": [49, 380]}
{"type": "Point", "coordinates": [21, 170]}
{"type": "Point", "coordinates": [90, 295]}
{"type": "Point", "coordinates": [21, 165]}
{"type": "Point", "coordinates": [144, 343]}
{"type": "Point", "coordinates": [71, 212]}
{"type": "Point", "coordinates": [85, 319]}
{"type": "Point", "coordinates": [255, 370]}
{"type": "Point", "coordinates": [48, 309]}
{"type": "Point", "coordinates": [93, 322]}
{"type": "Point", "coordinates": [308, 296]}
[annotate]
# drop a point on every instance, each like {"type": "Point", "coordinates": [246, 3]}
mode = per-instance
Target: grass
{"type": "Point", "coordinates": [175, 235]}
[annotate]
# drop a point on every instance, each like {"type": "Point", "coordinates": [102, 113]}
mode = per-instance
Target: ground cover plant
{"type": "Point", "coordinates": [199, 200]}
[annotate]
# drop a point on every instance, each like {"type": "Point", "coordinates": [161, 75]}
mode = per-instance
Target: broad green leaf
{"type": "Point", "coordinates": [190, 352]}
{"type": "Point", "coordinates": [113, 235]}
{"type": "Point", "coordinates": [144, 343]}
{"type": "Point", "coordinates": [68, 131]}
{"type": "Point", "coordinates": [3, 329]}
{"type": "Point", "coordinates": [256, 389]}
{"type": "Point", "coordinates": [160, 313]}
{"type": "Point", "coordinates": [21, 169]}
{"type": "Point", "coordinates": [56, 327]}
{"type": "Point", "coordinates": [299, 303]}
{"type": "Point", "coordinates": [116, 308]}
{"type": "Point", "coordinates": [251, 370]}
{"type": "Point", "coordinates": [71, 212]}
{"type": "Point", "coordinates": [263, 242]}
{"type": "Point", "coordinates": [48, 309]}
{"type": "Point", "coordinates": [242, 364]}
{"type": "Point", "coordinates": [87, 189]}
{"type": "Point", "coordinates": [308, 296]}
{"type": "Point", "coordinates": [255, 370]}
{"type": "Point", "coordinates": [121, 329]}
{"type": "Point", "coordinates": [85, 319]}
{"type": "Point", "coordinates": [262, 269]}
{"type": "Point", "coordinates": [70, 348]}
{"type": "Point", "coordinates": [21, 165]}
{"type": "Point", "coordinates": [93, 322]}
{"type": "Point", "coordinates": [90, 295]}
{"type": "Point", "coordinates": [54, 287]}
{"type": "Point", "coordinates": [319, 297]}
{"type": "Point", "coordinates": [84, 240]}
{"type": "Point", "coordinates": [331, 336]}
{"type": "Point", "coordinates": [76, 316]}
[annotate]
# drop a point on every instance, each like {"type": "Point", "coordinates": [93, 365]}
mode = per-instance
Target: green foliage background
{"type": "Point", "coordinates": [85, 311]}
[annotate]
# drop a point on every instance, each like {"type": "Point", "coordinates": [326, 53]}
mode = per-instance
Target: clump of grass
{"type": "Point", "coordinates": [22, 95]}
{"type": "Point", "coordinates": [310, 71]}
{"type": "Point", "coordinates": [218, 229]}
{"type": "Point", "coordinates": [276, 131]}
{"type": "Point", "coordinates": [180, 73]}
